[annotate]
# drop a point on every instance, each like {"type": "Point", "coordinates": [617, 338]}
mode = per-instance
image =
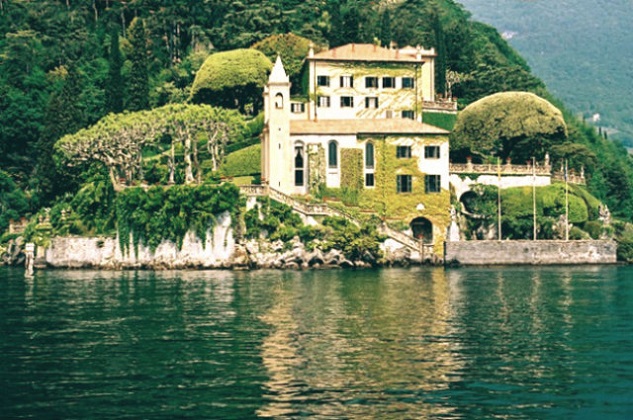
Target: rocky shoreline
{"type": "Point", "coordinates": [246, 255]}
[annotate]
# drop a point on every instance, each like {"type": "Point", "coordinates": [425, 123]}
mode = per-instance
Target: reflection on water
{"type": "Point", "coordinates": [514, 342]}
{"type": "Point", "coordinates": [368, 346]}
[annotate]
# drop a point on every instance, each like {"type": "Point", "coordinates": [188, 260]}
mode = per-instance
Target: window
{"type": "Point", "coordinates": [297, 108]}
{"type": "Point", "coordinates": [279, 101]}
{"type": "Point", "coordinates": [299, 166]}
{"type": "Point", "coordinates": [371, 82]}
{"type": "Point", "coordinates": [408, 114]}
{"type": "Point", "coordinates": [347, 102]}
{"type": "Point", "coordinates": [403, 152]}
{"type": "Point", "coordinates": [347, 81]}
{"type": "Point", "coordinates": [403, 183]}
{"type": "Point", "coordinates": [323, 101]}
{"type": "Point", "coordinates": [408, 82]}
{"type": "Point", "coordinates": [332, 154]}
{"type": "Point", "coordinates": [323, 80]}
{"type": "Point", "coordinates": [369, 155]}
{"type": "Point", "coordinates": [389, 113]}
{"type": "Point", "coordinates": [432, 152]}
{"type": "Point", "coordinates": [432, 183]}
{"type": "Point", "coordinates": [388, 82]}
{"type": "Point", "coordinates": [371, 102]}
{"type": "Point", "coordinates": [369, 180]}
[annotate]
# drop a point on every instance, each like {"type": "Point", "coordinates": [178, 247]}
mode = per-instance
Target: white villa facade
{"type": "Point", "coordinates": [362, 128]}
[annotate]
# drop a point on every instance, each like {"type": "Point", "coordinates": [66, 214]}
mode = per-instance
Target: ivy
{"type": "Point", "coordinates": [158, 214]}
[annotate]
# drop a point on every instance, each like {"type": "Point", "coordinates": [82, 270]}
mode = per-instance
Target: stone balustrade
{"type": "Point", "coordinates": [493, 169]}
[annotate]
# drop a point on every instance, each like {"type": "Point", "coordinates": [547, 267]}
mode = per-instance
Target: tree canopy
{"type": "Point", "coordinates": [516, 125]}
{"type": "Point", "coordinates": [119, 140]}
{"type": "Point", "coordinates": [292, 49]}
{"type": "Point", "coordinates": [233, 79]}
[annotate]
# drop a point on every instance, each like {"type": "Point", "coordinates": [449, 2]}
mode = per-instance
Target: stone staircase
{"type": "Point", "coordinates": [417, 247]}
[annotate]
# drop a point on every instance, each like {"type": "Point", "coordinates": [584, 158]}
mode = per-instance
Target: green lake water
{"type": "Point", "coordinates": [468, 343]}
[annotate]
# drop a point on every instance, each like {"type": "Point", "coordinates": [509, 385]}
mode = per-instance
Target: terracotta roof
{"type": "Point", "coordinates": [371, 52]}
{"type": "Point", "coordinates": [363, 126]}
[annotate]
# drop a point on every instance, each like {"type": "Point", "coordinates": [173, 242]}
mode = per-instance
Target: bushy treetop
{"type": "Point", "coordinates": [226, 70]}
{"type": "Point", "coordinates": [518, 125]}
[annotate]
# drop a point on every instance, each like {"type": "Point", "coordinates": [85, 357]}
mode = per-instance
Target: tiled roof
{"type": "Point", "coordinates": [363, 126]}
{"type": "Point", "coordinates": [371, 52]}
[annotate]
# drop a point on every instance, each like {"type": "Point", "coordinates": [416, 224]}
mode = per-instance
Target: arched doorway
{"type": "Point", "coordinates": [422, 229]}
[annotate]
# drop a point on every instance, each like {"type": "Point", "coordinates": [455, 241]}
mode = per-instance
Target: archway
{"type": "Point", "coordinates": [422, 229]}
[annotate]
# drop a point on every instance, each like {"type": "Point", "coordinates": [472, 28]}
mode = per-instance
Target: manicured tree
{"type": "Point", "coordinates": [516, 125]}
{"type": "Point", "coordinates": [115, 87]}
{"type": "Point", "coordinates": [138, 85]}
{"type": "Point", "coordinates": [233, 79]}
{"type": "Point", "coordinates": [385, 27]}
{"type": "Point", "coordinates": [440, 60]}
{"type": "Point", "coordinates": [118, 140]}
{"type": "Point", "coordinates": [293, 50]}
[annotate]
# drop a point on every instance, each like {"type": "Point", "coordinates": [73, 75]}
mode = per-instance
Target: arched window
{"type": "Point", "coordinates": [369, 155]}
{"type": "Point", "coordinates": [279, 101]}
{"type": "Point", "coordinates": [332, 154]}
{"type": "Point", "coordinates": [299, 164]}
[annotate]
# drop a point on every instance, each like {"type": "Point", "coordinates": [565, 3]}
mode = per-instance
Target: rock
{"type": "Point", "coordinates": [344, 263]}
{"type": "Point", "coordinates": [333, 257]}
{"type": "Point", "coordinates": [315, 258]}
{"type": "Point", "coordinates": [240, 257]}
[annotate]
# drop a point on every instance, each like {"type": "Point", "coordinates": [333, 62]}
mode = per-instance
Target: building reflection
{"type": "Point", "coordinates": [373, 345]}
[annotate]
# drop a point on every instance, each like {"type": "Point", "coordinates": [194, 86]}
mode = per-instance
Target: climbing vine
{"type": "Point", "coordinates": [152, 216]}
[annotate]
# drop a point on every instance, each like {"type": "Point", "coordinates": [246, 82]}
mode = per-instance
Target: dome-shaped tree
{"type": "Point", "coordinates": [232, 79]}
{"type": "Point", "coordinates": [516, 125]}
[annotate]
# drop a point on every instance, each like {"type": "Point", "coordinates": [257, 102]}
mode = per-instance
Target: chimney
{"type": "Point", "coordinates": [311, 50]}
{"type": "Point", "coordinates": [353, 47]}
{"type": "Point", "coordinates": [418, 53]}
{"type": "Point", "coordinates": [375, 47]}
{"type": "Point", "coordinates": [397, 53]}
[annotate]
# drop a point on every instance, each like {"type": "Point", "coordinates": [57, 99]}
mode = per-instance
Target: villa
{"type": "Point", "coordinates": [362, 132]}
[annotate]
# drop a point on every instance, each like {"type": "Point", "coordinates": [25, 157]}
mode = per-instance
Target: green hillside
{"type": "Point", "coordinates": [583, 51]}
{"type": "Point", "coordinates": [66, 65]}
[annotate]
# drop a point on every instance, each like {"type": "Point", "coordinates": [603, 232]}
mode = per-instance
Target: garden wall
{"type": "Point", "coordinates": [80, 252]}
{"type": "Point", "coordinates": [530, 252]}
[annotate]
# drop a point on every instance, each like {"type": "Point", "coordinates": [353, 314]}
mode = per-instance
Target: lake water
{"type": "Point", "coordinates": [512, 343]}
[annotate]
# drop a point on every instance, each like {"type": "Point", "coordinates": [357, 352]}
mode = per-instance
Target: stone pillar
{"type": "Point", "coordinates": [30, 259]}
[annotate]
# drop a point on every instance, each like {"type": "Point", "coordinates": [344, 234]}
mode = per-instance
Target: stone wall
{"type": "Point", "coordinates": [531, 252]}
{"type": "Point", "coordinates": [106, 253]}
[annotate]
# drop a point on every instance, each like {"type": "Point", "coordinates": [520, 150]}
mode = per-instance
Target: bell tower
{"type": "Point", "coordinates": [277, 163]}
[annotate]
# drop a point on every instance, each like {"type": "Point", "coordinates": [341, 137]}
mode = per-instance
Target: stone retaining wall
{"type": "Point", "coordinates": [106, 253]}
{"type": "Point", "coordinates": [530, 252]}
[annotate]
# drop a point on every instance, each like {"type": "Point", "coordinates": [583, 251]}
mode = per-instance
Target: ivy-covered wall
{"type": "Point", "coordinates": [383, 198]}
{"type": "Point", "coordinates": [352, 169]}
{"type": "Point", "coordinates": [316, 168]}
{"type": "Point", "coordinates": [395, 99]}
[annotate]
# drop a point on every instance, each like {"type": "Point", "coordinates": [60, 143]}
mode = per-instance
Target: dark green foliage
{"type": "Point", "coordinates": [275, 220]}
{"type": "Point", "coordinates": [13, 202]}
{"type": "Point", "coordinates": [138, 84]}
{"type": "Point", "coordinates": [115, 87]}
{"type": "Point", "coordinates": [292, 49]}
{"type": "Point", "coordinates": [356, 243]}
{"type": "Point", "coordinates": [440, 59]}
{"type": "Point", "coordinates": [157, 214]}
{"type": "Point", "coordinates": [64, 115]}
